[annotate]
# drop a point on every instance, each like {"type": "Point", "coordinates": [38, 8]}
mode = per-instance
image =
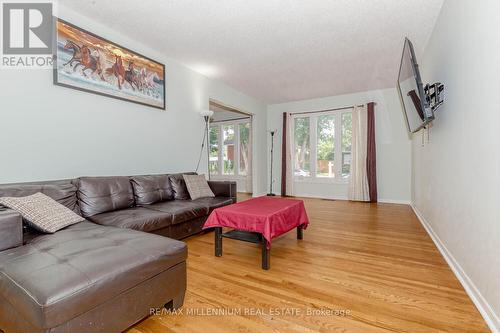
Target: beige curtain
{"type": "Point", "coordinates": [358, 185]}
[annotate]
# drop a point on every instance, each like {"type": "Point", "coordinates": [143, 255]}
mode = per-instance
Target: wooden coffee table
{"type": "Point", "coordinates": [258, 220]}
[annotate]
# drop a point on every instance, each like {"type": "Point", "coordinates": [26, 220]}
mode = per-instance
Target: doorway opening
{"type": "Point", "coordinates": [231, 145]}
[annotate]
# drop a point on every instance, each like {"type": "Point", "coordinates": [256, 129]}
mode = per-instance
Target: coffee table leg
{"type": "Point", "coordinates": [299, 232]}
{"type": "Point", "coordinates": [218, 242]}
{"type": "Point", "coordinates": [266, 255]}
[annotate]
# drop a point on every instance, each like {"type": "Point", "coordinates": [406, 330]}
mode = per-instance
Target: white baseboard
{"type": "Point", "coordinates": [315, 196]}
{"type": "Point", "coordinates": [341, 197]}
{"type": "Point", "coordinates": [477, 298]}
{"type": "Point", "coordinates": [395, 201]}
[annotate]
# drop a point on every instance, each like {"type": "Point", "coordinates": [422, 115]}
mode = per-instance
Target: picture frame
{"type": "Point", "coordinates": [87, 62]}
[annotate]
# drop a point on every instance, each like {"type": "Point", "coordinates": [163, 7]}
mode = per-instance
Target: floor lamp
{"type": "Point", "coordinates": [206, 114]}
{"type": "Point", "coordinates": [271, 194]}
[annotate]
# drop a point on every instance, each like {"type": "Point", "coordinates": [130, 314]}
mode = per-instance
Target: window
{"type": "Point", "coordinates": [244, 147]}
{"type": "Point", "coordinates": [322, 145]}
{"type": "Point", "coordinates": [230, 148]}
{"type": "Point", "coordinates": [346, 143]}
{"type": "Point", "coordinates": [325, 156]}
{"type": "Point", "coordinates": [302, 149]}
{"type": "Point", "coordinates": [214, 150]}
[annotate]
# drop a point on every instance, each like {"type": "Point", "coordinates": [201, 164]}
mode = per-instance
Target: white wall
{"type": "Point", "coordinates": [51, 132]}
{"type": "Point", "coordinates": [392, 144]}
{"type": "Point", "coordinates": [457, 174]}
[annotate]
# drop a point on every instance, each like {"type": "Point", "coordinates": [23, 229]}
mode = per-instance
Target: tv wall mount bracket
{"type": "Point", "coordinates": [434, 95]}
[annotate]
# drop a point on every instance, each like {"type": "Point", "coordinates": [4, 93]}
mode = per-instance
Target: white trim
{"type": "Point", "coordinates": [395, 201]}
{"type": "Point", "coordinates": [477, 298]}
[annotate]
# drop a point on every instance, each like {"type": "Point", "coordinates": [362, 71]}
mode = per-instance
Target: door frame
{"type": "Point", "coordinates": [253, 152]}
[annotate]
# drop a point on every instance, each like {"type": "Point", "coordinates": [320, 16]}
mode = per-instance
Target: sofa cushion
{"type": "Point", "coordinates": [11, 229]}
{"type": "Point", "coordinates": [137, 218]}
{"type": "Point", "coordinates": [179, 187]}
{"type": "Point", "coordinates": [197, 187]}
{"type": "Point", "coordinates": [212, 203]}
{"type": "Point", "coordinates": [223, 188]}
{"type": "Point", "coordinates": [181, 210]}
{"type": "Point", "coordinates": [62, 191]}
{"type": "Point", "coordinates": [98, 195]}
{"type": "Point", "coordinates": [151, 189]}
{"type": "Point", "coordinates": [42, 212]}
{"type": "Point", "coordinates": [60, 276]}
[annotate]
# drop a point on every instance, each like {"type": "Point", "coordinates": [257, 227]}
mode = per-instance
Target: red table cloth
{"type": "Point", "coordinates": [268, 216]}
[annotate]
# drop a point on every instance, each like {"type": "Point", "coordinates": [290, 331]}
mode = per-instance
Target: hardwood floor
{"type": "Point", "coordinates": [375, 262]}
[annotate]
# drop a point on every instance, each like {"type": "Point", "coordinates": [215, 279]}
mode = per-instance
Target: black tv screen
{"type": "Point", "coordinates": [411, 91]}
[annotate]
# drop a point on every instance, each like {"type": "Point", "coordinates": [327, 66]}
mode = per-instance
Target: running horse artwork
{"type": "Point", "coordinates": [77, 53]}
{"type": "Point", "coordinates": [132, 77]}
{"type": "Point", "coordinates": [118, 71]}
{"type": "Point", "coordinates": [87, 62]}
{"type": "Point", "coordinates": [83, 57]}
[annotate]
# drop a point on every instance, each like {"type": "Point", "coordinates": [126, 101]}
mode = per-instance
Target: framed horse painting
{"type": "Point", "coordinates": [87, 62]}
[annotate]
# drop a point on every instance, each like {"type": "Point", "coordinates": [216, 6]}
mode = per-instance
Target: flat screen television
{"type": "Point", "coordinates": [416, 108]}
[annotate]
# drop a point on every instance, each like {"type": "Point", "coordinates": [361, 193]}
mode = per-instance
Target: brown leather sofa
{"type": "Point", "coordinates": [100, 275]}
{"type": "Point", "coordinates": [157, 204]}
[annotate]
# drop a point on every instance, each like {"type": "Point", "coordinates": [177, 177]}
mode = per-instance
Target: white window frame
{"type": "Point", "coordinates": [220, 163]}
{"type": "Point", "coordinates": [313, 143]}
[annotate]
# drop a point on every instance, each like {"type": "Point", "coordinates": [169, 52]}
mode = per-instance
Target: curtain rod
{"type": "Point", "coordinates": [336, 109]}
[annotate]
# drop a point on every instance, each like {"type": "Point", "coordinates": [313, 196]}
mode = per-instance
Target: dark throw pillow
{"type": "Point", "coordinates": [179, 187]}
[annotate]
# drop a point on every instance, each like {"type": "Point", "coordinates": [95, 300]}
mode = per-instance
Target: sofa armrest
{"type": "Point", "coordinates": [11, 229]}
{"type": "Point", "coordinates": [223, 188]}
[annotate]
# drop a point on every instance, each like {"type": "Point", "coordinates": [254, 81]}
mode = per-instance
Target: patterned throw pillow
{"type": "Point", "coordinates": [197, 186]}
{"type": "Point", "coordinates": [42, 212]}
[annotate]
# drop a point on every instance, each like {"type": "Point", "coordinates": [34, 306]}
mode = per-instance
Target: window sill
{"type": "Point", "coordinates": [320, 180]}
{"type": "Point", "coordinates": [229, 176]}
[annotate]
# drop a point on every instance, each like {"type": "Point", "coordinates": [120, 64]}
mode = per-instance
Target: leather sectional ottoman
{"type": "Point", "coordinates": [89, 278]}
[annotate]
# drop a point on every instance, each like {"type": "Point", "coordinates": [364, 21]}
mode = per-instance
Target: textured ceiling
{"type": "Point", "coordinates": [277, 50]}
